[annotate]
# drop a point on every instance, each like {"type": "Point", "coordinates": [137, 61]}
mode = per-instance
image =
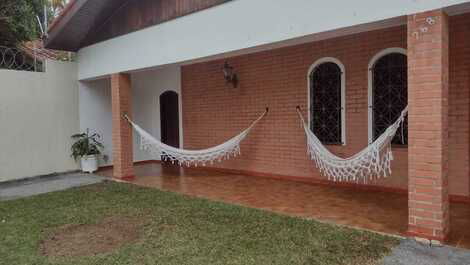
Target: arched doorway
{"type": "Point", "coordinates": [169, 119]}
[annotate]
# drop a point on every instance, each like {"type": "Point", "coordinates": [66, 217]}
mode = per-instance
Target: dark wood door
{"type": "Point", "coordinates": [169, 119]}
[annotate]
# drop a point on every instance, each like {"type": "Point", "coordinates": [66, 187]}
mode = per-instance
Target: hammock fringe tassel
{"type": "Point", "coordinates": [372, 162]}
{"type": "Point", "coordinates": [224, 151]}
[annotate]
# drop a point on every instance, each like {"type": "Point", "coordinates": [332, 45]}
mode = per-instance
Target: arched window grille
{"type": "Point", "coordinates": [326, 91]}
{"type": "Point", "coordinates": [389, 95]}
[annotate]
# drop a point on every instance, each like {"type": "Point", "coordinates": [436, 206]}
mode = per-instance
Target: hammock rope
{"type": "Point", "coordinates": [374, 161]}
{"type": "Point", "coordinates": [224, 151]}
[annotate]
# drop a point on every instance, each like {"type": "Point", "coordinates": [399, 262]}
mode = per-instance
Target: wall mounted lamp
{"type": "Point", "coordinates": [229, 74]}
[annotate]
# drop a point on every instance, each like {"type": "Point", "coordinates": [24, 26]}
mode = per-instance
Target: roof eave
{"type": "Point", "coordinates": [59, 25]}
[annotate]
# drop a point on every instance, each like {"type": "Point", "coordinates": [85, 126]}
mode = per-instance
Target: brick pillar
{"type": "Point", "coordinates": [122, 131]}
{"type": "Point", "coordinates": [428, 71]}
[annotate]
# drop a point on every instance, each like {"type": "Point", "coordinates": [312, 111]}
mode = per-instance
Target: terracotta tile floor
{"type": "Point", "coordinates": [378, 211]}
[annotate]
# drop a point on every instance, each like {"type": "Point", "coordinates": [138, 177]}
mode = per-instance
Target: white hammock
{"type": "Point", "coordinates": [372, 162]}
{"type": "Point", "coordinates": [229, 149]}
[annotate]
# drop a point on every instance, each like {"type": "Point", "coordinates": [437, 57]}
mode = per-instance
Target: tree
{"type": "Point", "coordinates": [18, 18]}
{"type": "Point", "coordinates": [57, 6]}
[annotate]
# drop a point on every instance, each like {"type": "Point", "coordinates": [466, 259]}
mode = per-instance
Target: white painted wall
{"type": "Point", "coordinates": [38, 114]}
{"type": "Point", "coordinates": [147, 86]}
{"type": "Point", "coordinates": [95, 112]}
{"type": "Point", "coordinates": [238, 25]}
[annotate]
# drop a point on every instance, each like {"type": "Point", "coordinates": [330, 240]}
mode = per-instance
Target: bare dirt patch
{"type": "Point", "coordinates": [91, 239]}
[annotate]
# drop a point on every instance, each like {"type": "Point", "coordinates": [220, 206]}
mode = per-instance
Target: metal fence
{"type": "Point", "coordinates": [16, 59]}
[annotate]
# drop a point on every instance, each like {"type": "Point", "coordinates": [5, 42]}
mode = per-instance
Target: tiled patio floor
{"type": "Point", "coordinates": [378, 211]}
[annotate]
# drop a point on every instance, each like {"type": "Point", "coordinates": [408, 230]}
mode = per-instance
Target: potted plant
{"type": "Point", "coordinates": [87, 148]}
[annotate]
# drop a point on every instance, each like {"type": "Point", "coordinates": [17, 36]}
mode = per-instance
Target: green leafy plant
{"type": "Point", "coordinates": [86, 144]}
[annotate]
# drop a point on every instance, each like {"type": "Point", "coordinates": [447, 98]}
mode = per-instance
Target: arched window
{"type": "Point", "coordinates": [326, 100]}
{"type": "Point", "coordinates": [388, 93]}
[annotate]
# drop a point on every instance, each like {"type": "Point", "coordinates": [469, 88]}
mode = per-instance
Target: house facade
{"type": "Point", "coordinates": [351, 67]}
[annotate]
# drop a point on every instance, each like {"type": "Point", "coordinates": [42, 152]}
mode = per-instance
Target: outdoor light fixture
{"type": "Point", "coordinates": [229, 75]}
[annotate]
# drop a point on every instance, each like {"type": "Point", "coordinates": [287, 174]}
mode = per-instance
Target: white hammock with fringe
{"type": "Point", "coordinates": [372, 162]}
{"type": "Point", "coordinates": [224, 151]}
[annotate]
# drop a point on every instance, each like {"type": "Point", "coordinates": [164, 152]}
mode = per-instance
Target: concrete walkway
{"type": "Point", "coordinates": [26, 188]}
{"type": "Point", "coordinates": [412, 252]}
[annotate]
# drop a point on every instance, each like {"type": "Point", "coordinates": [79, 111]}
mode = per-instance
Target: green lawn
{"type": "Point", "coordinates": [175, 229]}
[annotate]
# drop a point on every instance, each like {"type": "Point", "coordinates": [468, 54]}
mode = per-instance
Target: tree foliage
{"type": "Point", "coordinates": [57, 5]}
{"type": "Point", "coordinates": [18, 20]}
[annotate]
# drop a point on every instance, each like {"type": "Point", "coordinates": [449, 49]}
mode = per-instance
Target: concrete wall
{"type": "Point", "coordinates": [95, 111]}
{"type": "Point", "coordinates": [242, 24]}
{"type": "Point", "coordinates": [38, 114]}
{"type": "Point", "coordinates": [147, 86]}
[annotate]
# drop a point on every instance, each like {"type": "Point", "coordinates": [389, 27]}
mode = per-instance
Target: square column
{"type": "Point", "coordinates": [428, 82]}
{"type": "Point", "coordinates": [123, 159]}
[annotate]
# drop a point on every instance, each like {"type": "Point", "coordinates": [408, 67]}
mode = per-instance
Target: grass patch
{"type": "Point", "coordinates": [176, 229]}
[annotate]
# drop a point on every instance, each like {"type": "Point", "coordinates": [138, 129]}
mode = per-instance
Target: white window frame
{"type": "Point", "coordinates": [372, 62]}
{"type": "Point", "coordinates": [343, 92]}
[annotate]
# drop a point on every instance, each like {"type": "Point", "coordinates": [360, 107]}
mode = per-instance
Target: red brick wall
{"type": "Point", "coordinates": [214, 111]}
{"type": "Point", "coordinates": [459, 104]}
{"type": "Point", "coordinates": [428, 94]}
{"type": "Point", "coordinates": [122, 131]}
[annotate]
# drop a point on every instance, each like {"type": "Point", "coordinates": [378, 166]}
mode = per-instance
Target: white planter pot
{"type": "Point", "coordinates": [89, 163]}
